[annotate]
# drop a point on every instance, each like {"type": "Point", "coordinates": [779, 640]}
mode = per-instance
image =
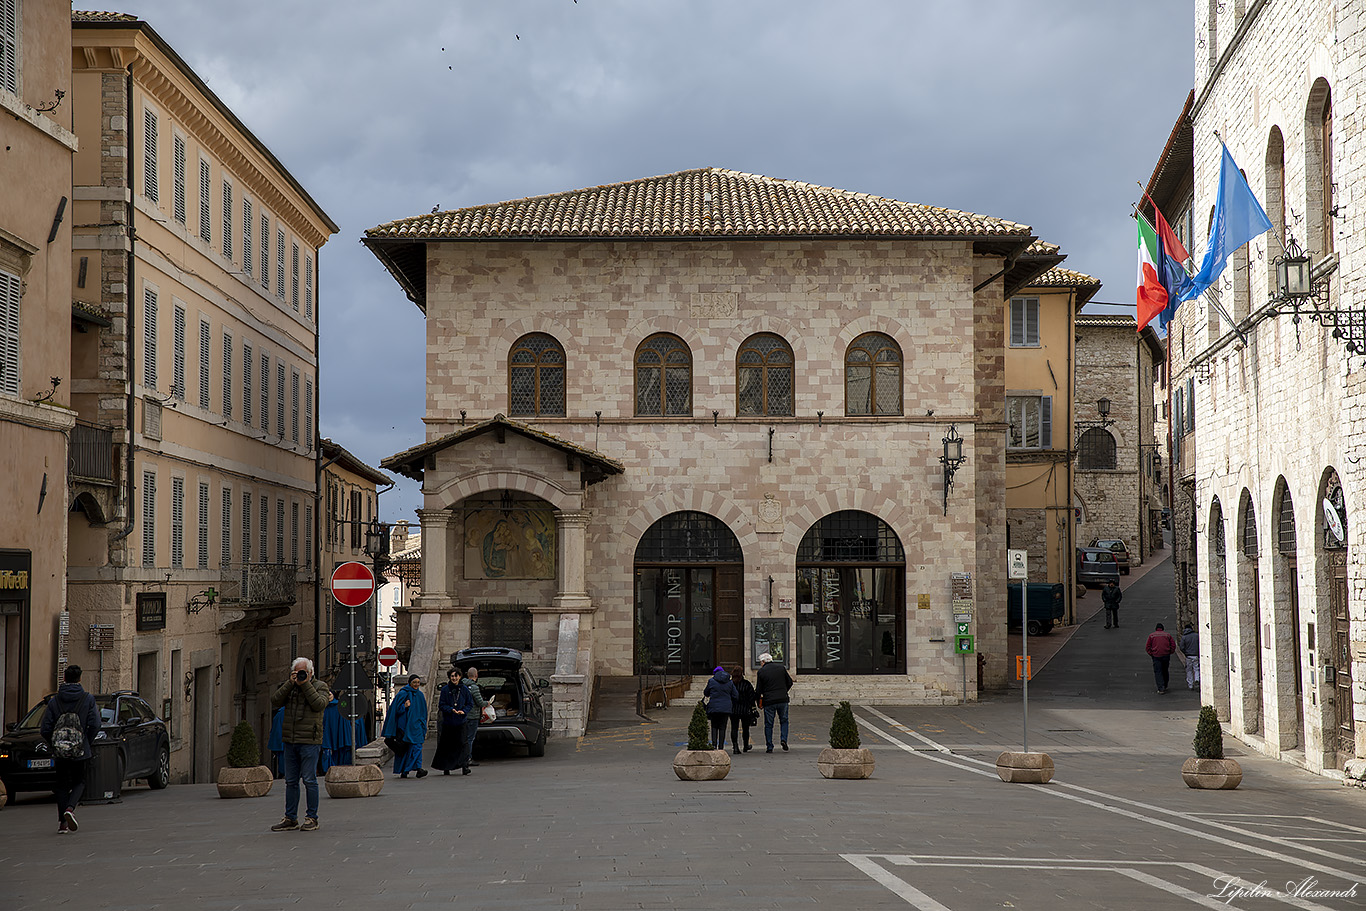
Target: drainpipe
{"type": "Point", "coordinates": [1070, 558]}
{"type": "Point", "coordinates": [128, 321]}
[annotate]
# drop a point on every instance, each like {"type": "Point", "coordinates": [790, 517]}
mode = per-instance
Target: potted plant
{"type": "Point", "coordinates": [1208, 768]}
{"type": "Point", "coordinates": [244, 776]}
{"type": "Point", "coordinates": [699, 762]}
{"type": "Point", "coordinates": [845, 758]}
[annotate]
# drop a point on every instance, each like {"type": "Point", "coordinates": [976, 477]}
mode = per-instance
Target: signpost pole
{"type": "Point", "coordinates": [353, 585]}
{"type": "Point", "coordinates": [1018, 568]}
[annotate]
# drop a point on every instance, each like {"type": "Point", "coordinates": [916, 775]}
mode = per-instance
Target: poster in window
{"type": "Point", "coordinates": [768, 635]}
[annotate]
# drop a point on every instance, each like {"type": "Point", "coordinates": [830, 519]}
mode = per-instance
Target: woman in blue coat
{"type": "Point", "coordinates": [722, 697]}
{"type": "Point", "coordinates": [406, 724]}
{"type": "Point", "coordinates": [455, 706]}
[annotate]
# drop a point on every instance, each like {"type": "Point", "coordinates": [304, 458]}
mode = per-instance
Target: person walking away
{"type": "Point", "coordinates": [406, 723]}
{"type": "Point", "coordinates": [744, 713]}
{"type": "Point", "coordinates": [773, 684]}
{"type": "Point", "coordinates": [721, 698]}
{"type": "Point", "coordinates": [1111, 596]}
{"type": "Point", "coordinates": [304, 698]}
{"type": "Point", "coordinates": [477, 697]}
{"type": "Point", "coordinates": [1160, 647]}
{"type": "Point", "coordinates": [70, 724]}
{"type": "Point", "coordinates": [453, 708]}
{"type": "Point", "coordinates": [1190, 647]}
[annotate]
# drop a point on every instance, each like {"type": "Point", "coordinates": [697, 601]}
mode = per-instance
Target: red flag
{"type": "Point", "coordinates": [1171, 244]}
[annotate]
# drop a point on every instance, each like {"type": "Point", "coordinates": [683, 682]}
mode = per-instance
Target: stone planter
{"type": "Point", "coordinates": [253, 781]}
{"type": "Point", "coordinates": [354, 780]}
{"type": "Point", "coordinates": [1212, 774]}
{"type": "Point", "coordinates": [856, 763]}
{"type": "Point", "coordinates": [1026, 768]}
{"type": "Point", "coordinates": [702, 765]}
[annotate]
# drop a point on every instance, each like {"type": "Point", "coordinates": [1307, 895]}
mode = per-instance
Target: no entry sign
{"type": "Point", "coordinates": [352, 584]}
{"type": "Point", "coordinates": [388, 657]}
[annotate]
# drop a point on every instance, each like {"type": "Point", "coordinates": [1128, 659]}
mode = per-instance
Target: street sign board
{"type": "Point", "coordinates": [388, 657]}
{"type": "Point", "coordinates": [352, 584]}
{"type": "Point", "coordinates": [1018, 564]}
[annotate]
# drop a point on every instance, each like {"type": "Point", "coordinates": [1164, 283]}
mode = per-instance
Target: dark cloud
{"type": "Point", "coordinates": [1048, 113]}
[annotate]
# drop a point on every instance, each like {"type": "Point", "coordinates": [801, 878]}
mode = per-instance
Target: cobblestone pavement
{"type": "Point", "coordinates": [602, 823]}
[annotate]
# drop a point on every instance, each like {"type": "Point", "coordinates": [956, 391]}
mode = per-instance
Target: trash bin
{"type": "Point", "coordinates": [103, 777]}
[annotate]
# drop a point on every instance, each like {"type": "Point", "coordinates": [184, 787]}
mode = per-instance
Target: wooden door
{"type": "Point", "coordinates": [1341, 659]}
{"type": "Point", "coordinates": [730, 616]}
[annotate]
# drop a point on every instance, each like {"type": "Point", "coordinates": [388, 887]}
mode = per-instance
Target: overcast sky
{"type": "Point", "coordinates": [1048, 112]}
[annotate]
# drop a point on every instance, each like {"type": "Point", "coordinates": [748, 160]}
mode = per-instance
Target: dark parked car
{"type": "Point", "coordinates": [1116, 547]}
{"type": "Point", "coordinates": [144, 746]}
{"type": "Point", "coordinates": [1096, 566]}
{"type": "Point", "coordinates": [1046, 606]}
{"type": "Point", "coordinates": [508, 687]}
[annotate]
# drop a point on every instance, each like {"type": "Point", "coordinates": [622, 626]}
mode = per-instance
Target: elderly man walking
{"type": "Point", "coordinates": [774, 682]}
{"type": "Point", "coordinates": [304, 698]}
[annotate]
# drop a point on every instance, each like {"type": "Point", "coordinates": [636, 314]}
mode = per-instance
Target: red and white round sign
{"type": "Point", "coordinates": [352, 584]}
{"type": "Point", "coordinates": [388, 657]}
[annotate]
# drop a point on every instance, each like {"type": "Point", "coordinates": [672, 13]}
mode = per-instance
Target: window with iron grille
{"type": "Point", "coordinates": [265, 392]}
{"type": "Point", "coordinates": [279, 531]}
{"type": "Point", "coordinates": [205, 210]}
{"type": "Point", "coordinates": [308, 536]}
{"type": "Point", "coordinates": [663, 376]}
{"type": "Point", "coordinates": [177, 522]}
{"type": "Point", "coordinates": [333, 504]}
{"type": "Point", "coordinates": [1096, 450]}
{"type": "Point", "coordinates": [265, 251]}
{"type": "Point", "coordinates": [689, 537]}
{"type": "Point", "coordinates": [203, 525]}
{"type": "Point", "coordinates": [308, 414]}
{"type": "Point", "coordinates": [1216, 521]}
{"type": "Point", "coordinates": [149, 518]}
{"type": "Point", "coordinates": [355, 519]}
{"type": "Point", "coordinates": [308, 287]}
{"type": "Point", "coordinates": [9, 45]}
{"type": "Point", "coordinates": [248, 388]}
{"type": "Point", "coordinates": [294, 277]}
{"type": "Point", "coordinates": [227, 220]}
{"type": "Point", "coordinates": [225, 532]}
{"type": "Point", "coordinates": [280, 263]}
{"type": "Point", "coordinates": [264, 528]}
{"type": "Point", "coordinates": [248, 251]}
{"type": "Point", "coordinates": [850, 536]}
{"type": "Point", "coordinates": [178, 178]}
{"type": "Point", "coordinates": [1024, 322]}
{"type": "Point", "coordinates": [246, 527]}
{"type": "Point", "coordinates": [1031, 421]}
{"type": "Point", "coordinates": [280, 399]}
{"type": "Point", "coordinates": [227, 375]}
{"type": "Point", "coordinates": [294, 405]}
{"type": "Point", "coordinates": [178, 379]}
{"type": "Point", "coordinates": [536, 377]}
{"type": "Point", "coordinates": [10, 289]}
{"type": "Point", "coordinates": [763, 376]}
{"type": "Point", "coordinates": [150, 188]}
{"type": "Point", "coordinates": [1249, 529]}
{"type": "Point", "coordinates": [294, 533]}
{"type": "Point", "coordinates": [872, 375]}
{"type": "Point", "coordinates": [205, 336]}
{"type": "Point", "coordinates": [1285, 530]}
{"type": "Point", "coordinates": [149, 338]}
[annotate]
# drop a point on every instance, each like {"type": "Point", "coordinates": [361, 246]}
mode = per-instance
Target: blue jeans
{"type": "Point", "coordinates": [769, 712]}
{"type": "Point", "coordinates": [471, 729]}
{"type": "Point", "coordinates": [301, 760]}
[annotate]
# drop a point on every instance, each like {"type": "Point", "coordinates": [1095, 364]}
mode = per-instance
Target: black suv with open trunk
{"type": "Point", "coordinates": [514, 695]}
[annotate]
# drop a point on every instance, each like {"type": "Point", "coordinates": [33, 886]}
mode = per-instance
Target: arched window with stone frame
{"type": "Point", "coordinates": [536, 377]}
{"type": "Point", "coordinates": [1096, 450]}
{"type": "Point", "coordinates": [663, 366]}
{"type": "Point", "coordinates": [872, 375]}
{"type": "Point", "coordinates": [764, 376]}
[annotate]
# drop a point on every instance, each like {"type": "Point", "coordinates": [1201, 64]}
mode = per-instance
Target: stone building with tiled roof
{"type": "Point", "coordinates": [674, 422]}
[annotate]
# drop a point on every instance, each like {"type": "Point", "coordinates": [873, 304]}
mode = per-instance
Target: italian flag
{"type": "Point", "coordinates": [1152, 296]}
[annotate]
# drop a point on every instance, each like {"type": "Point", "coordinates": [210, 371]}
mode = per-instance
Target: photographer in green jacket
{"type": "Point", "coordinates": [303, 697]}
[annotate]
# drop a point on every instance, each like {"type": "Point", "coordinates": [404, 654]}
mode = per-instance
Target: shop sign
{"type": "Point", "coordinates": [152, 611]}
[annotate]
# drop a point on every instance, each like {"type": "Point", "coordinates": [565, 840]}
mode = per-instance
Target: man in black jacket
{"type": "Point", "coordinates": [71, 698]}
{"type": "Point", "coordinates": [774, 682]}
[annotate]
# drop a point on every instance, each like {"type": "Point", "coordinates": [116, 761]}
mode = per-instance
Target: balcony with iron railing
{"type": "Point", "coordinates": [260, 584]}
{"type": "Point", "coordinates": [92, 453]}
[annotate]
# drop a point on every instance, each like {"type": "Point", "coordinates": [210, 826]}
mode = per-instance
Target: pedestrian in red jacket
{"type": "Point", "coordinates": [1160, 647]}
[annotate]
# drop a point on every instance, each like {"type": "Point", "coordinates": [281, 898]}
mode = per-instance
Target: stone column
{"type": "Point", "coordinates": [571, 533]}
{"type": "Point", "coordinates": [438, 531]}
{"type": "Point", "coordinates": [572, 681]}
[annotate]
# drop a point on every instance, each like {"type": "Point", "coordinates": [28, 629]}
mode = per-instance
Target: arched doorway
{"type": "Point", "coordinates": [689, 613]}
{"type": "Point", "coordinates": [1339, 742]}
{"type": "Point", "coordinates": [1285, 622]}
{"type": "Point", "coordinates": [851, 584]}
{"type": "Point", "coordinates": [1249, 616]}
{"type": "Point", "coordinates": [1213, 678]}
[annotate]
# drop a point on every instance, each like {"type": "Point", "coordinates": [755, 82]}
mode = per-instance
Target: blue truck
{"type": "Point", "coordinates": [1046, 606]}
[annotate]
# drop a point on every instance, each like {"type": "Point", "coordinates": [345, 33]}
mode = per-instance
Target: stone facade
{"type": "Point", "coordinates": [1268, 416]}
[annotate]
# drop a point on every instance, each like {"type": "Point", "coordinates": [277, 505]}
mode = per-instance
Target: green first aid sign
{"type": "Point", "coordinates": [962, 629]}
{"type": "Point", "coordinates": [962, 645]}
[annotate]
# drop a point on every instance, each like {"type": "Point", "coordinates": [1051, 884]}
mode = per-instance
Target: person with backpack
{"type": "Point", "coordinates": [70, 725]}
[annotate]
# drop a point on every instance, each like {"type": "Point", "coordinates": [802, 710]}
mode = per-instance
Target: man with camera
{"type": "Point", "coordinates": [303, 697]}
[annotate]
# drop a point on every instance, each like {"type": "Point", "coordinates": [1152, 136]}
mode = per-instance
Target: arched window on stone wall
{"type": "Point", "coordinates": [1275, 198]}
{"type": "Point", "coordinates": [1096, 450]}
{"type": "Point", "coordinates": [1318, 169]}
{"type": "Point", "coordinates": [536, 377]}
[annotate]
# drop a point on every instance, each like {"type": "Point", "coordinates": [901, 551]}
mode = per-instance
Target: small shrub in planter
{"type": "Point", "coordinates": [699, 762]}
{"type": "Point", "coordinates": [845, 758]}
{"type": "Point", "coordinates": [1208, 769]}
{"type": "Point", "coordinates": [244, 776]}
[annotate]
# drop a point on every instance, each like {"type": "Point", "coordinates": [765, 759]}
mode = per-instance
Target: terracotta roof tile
{"type": "Point", "coordinates": [704, 202]}
{"type": "Point", "coordinates": [1065, 278]}
{"type": "Point", "coordinates": [100, 16]}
